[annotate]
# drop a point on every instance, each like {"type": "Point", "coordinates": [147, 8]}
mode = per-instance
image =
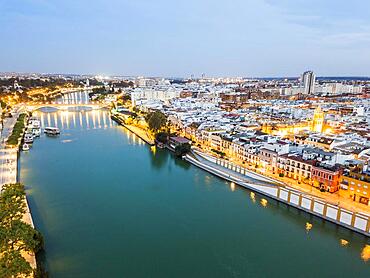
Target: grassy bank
{"type": "Point", "coordinates": [17, 130]}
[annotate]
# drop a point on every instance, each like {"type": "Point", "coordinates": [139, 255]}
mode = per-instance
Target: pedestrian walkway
{"type": "Point", "coordinates": [244, 178]}
{"type": "Point", "coordinates": [8, 165]}
{"type": "Point", "coordinates": [8, 156]}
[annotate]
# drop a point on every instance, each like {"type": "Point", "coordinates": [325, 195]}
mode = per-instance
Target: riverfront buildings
{"type": "Point", "coordinates": [300, 132]}
{"type": "Point", "coordinates": [307, 132]}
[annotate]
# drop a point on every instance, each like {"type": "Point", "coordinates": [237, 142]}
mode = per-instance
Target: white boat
{"type": "Point", "coordinates": [25, 147]}
{"type": "Point", "coordinates": [36, 132]}
{"type": "Point", "coordinates": [52, 130]}
{"type": "Point", "coordinates": [36, 124]}
{"type": "Point", "coordinates": [28, 138]}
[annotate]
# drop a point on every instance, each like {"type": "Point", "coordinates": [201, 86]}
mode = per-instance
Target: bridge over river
{"type": "Point", "coordinates": [66, 106]}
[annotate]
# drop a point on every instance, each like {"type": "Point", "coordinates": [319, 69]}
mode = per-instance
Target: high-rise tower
{"type": "Point", "coordinates": [308, 82]}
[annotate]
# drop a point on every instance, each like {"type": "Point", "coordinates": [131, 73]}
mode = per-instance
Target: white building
{"type": "Point", "coordinates": [162, 94]}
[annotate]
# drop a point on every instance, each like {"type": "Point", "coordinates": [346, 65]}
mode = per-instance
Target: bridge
{"type": "Point", "coordinates": [66, 106]}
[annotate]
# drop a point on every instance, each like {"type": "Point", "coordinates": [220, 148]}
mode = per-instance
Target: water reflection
{"type": "Point", "coordinates": [308, 226]}
{"type": "Point", "coordinates": [181, 163]}
{"type": "Point", "coordinates": [158, 159]}
{"type": "Point", "coordinates": [365, 254]}
{"type": "Point", "coordinates": [81, 97]}
{"type": "Point", "coordinates": [232, 186]}
{"type": "Point", "coordinates": [67, 120]}
{"type": "Point", "coordinates": [253, 197]}
{"type": "Point", "coordinates": [343, 242]}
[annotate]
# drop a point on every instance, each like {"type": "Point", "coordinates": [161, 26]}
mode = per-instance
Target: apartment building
{"type": "Point", "coordinates": [295, 167]}
{"type": "Point", "coordinates": [326, 177]}
{"type": "Point", "coordinates": [355, 183]}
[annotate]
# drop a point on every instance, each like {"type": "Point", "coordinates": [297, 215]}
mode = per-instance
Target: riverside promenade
{"type": "Point", "coordinates": [141, 133]}
{"type": "Point", "coordinates": [9, 171]}
{"type": "Point", "coordinates": [354, 221]}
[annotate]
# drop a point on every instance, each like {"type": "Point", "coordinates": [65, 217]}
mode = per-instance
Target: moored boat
{"type": "Point", "coordinates": [36, 132]}
{"type": "Point", "coordinates": [52, 131]}
{"type": "Point", "coordinates": [28, 138]}
{"type": "Point", "coordinates": [25, 147]}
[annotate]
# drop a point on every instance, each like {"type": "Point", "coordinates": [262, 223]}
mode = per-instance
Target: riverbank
{"type": "Point", "coordinates": [330, 198]}
{"type": "Point", "coordinates": [357, 222]}
{"type": "Point", "coordinates": [9, 174]}
{"type": "Point", "coordinates": [141, 133]}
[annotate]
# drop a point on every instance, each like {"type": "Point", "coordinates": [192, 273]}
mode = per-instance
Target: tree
{"type": "Point", "coordinates": [162, 137]}
{"type": "Point", "coordinates": [13, 264]}
{"type": "Point", "coordinates": [182, 149]}
{"type": "Point", "coordinates": [12, 203]}
{"type": "Point", "coordinates": [2, 104]}
{"type": "Point", "coordinates": [16, 236]}
{"type": "Point", "coordinates": [156, 121]}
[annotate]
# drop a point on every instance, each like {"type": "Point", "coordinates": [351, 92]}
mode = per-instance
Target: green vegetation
{"type": "Point", "coordinates": [281, 175]}
{"type": "Point", "coordinates": [17, 130]}
{"type": "Point", "coordinates": [27, 83]}
{"type": "Point", "coordinates": [124, 99]}
{"type": "Point", "coordinates": [16, 236]}
{"type": "Point", "coordinates": [3, 104]}
{"type": "Point", "coordinates": [156, 121]}
{"type": "Point", "coordinates": [100, 90]}
{"type": "Point", "coordinates": [99, 93]}
{"type": "Point", "coordinates": [182, 149]}
{"type": "Point", "coordinates": [162, 137]}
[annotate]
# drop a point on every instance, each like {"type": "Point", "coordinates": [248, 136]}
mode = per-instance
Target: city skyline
{"type": "Point", "coordinates": [247, 38]}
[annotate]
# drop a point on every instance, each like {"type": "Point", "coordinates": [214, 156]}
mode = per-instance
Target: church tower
{"type": "Point", "coordinates": [318, 120]}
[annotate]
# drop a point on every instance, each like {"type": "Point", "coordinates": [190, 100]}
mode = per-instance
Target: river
{"type": "Point", "coordinates": [109, 205]}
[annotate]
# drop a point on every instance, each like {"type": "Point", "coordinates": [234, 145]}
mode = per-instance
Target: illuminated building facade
{"type": "Point", "coordinates": [318, 120]}
{"type": "Point", "coordinates": [355, 184]}
{"type": "Point", "coordinates": [285, 129]}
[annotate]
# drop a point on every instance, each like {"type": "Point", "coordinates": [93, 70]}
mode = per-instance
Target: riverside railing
{"type": "Point", "coordinates": [350, 219]}
{"type": "Point", "coordinates": [355, 221]}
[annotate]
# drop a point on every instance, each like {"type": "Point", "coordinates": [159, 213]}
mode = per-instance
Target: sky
{"type": "Point", "coordinates": [249, 38]}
